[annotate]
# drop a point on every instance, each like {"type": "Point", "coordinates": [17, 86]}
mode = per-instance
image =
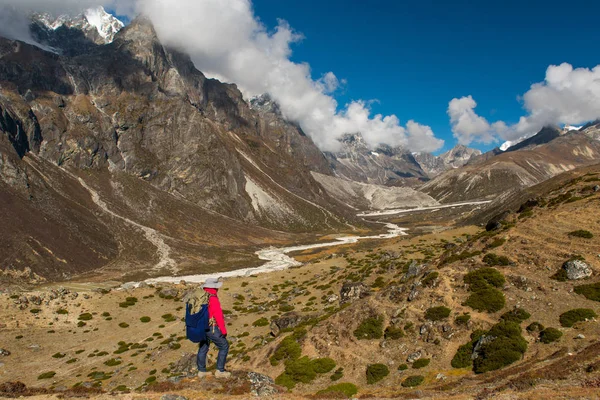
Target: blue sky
{"type": "Point", "coordinates": [416, 56]}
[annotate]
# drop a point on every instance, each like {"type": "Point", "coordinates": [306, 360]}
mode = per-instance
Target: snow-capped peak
{"type": "Point", "coordinates": [94, 19]}
{"type": "Point", "coordinates": [106, 24]}
{"type": "Point", "coordinates": [510, 143]}
{"type": "Point", "coordinates": [568, 128]}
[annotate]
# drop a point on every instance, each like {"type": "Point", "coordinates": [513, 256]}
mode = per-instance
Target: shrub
{"type": "Point", "coordinates": [261, 322]}
{"type": "Point", "coordinates": [81, 324]}
{"type": "Point", "coordinates": [490, 300]}
{"type": "Point", "coordinates": [393, 333]}
{"type": "Point", "coordinates": [58, 355]}
{"type": "Point", "coordinates": [47, 375]}
{"type": "Point", "coordinates": [484, 277]}
{"type": "Point", "coordinates": [145, 319]}
{"type": "Point", "coordinates": [288, 349]}
{"type": "Point", "coordinates": [379, 282]}
{"type": "Point", "coordinates": [347, 389]}
{"type": "Point", "coordinates": [421, 363]}
{"type": "Point", "coordinates": [286, 308]}
{"type": "Point", "coordinates": [582, 234]}
{"type": "Point", "coordinates": [492, 259]}
{"type": "Point", "coordinates": [517, 315]}
{"type": "Point", "coordinates": [169, 317]}
{"type": "Point", "coordinates": [300, 370]}
{"type": "Point", "coordinates": [85, 317]}
{"type": "Point", "coordinates": [376, 372]}
{"type": "Point", "coordinates": [462, 358]}
{"type": "Point", "coordinates": [462, 319]}
{"type": "Point", "coordinates": [412, 381]}
{"type": "Point", "coordinates": [35, 310]}
{"type": "Point", "coordinates": [430, 278]}
{"type": "Point", "coordinates": [62, 311]}
{"type": "Point", "coordinates": [113, 362]}
{"type": "Point", "coordinates": [550, 335]}
{"type": "Point", "coordinates": [402, 367]}
{"type": "Point", "coordinates": [323, 365]}
{"type": "Point", "coordinates": [535, 327]}
{"type": "Point", "coordinates": [569, 318]}
{"type": "Point", "coordinates": [459, 257]}
{"type": "Point", "coordinates": [106, 314]}
{"type": "Point", "coordinates": [285, 381]}
{"type": "Point", "coordinates": [337, 375]}
{"type": "Point", "coordinates": [591, 291]}
{"type": "Point", "coordinates": [371, 328]}
{"type": "Point", "coordinates": [124, 325]}
{"type": "Point", "coordinates": [507, 347]}
{"type": "Point", "coordinates": [496, 243]}
{"type": "Point", "coordinates": [437, 313]}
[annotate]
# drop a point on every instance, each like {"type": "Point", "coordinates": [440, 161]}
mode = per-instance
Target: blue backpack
{"type": "Point", "coordinates": [196, 325]}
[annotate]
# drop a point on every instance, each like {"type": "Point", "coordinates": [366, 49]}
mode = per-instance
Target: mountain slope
{"type": "Point", "coordinates": [382, 165]}
{"type": "Point", "coordinates": [453, 158]}
{"type": "Point", "coordinates": [137, 124]}
{"type": "Point", "coordinates": [511, 171]}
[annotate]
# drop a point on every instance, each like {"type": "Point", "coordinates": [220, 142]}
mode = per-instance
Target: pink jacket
{"type": "Point", "coordinates": [215, 311]}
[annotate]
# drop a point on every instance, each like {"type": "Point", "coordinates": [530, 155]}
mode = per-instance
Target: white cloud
{"type": "Point", "coordinates": [228, 42]}
{"type": "Point", "coordinates": [566, 96]}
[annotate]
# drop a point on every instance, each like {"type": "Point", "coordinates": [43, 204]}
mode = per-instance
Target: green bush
{"type": "Point", "coordinates": [421, 363]}
{"type": "Point", "coordinates": [58, 355]}
{"type": "Point", "coordinates": [169, 317]}
{"type": "Point", "coordinates": [371, 328]}
{"type": "Point", "coordinates": [569, 318]}
{"type": "Point", "coordinates": [430, 278]}
{"type": "Point", "coordinates": [496, 243]}
{"type": "Point", "coordinates": [261, 322]}
{"type": "Point", "coordinates": [560, 275]}
{"type": "Point", "coordinates": [145, 319]}
{"type": "Point", "coordinates": [550, 335]}
{"type": "Point", "coordinates": [412, 381]}
{"type": "Point", "coordinates": [376, 372]}
{"type": "Point", "coordinates": [35, 310]}
{"type": "Point", "coordinates": [124, 325]}
{"type": "Point", "coordinates": [113, 362]}
{"type": "Point", "coordinates": [300, 370]}
{"type": "Point", "coordinates": [437, 313]}
{"type": "Point", "coordinates": [482, 278]}
{"type": "Point", "coordinates": [582, 234]}
{"type": "Point", "coordinates": [85, 317]}
{"type": "Point", "coordinates": [47, 375]}
{"type": "Point", "coordinates": [492, 259]}
{"type": "Point", "coordinates": [462, 319]}
{"type": "Point", "coordinates": [459, 257]}
{"type": "Point", "coordinates": [462, 358]}
{"type": "Point", "coordinates": [288, 349]}
{"type": "Point", "coordinates": [347, 389]}
{"type": "Point", "coordinates": [402, 367]}
{"type": "Point", "coordinates": [393, 332]}
{"type": "Point", "coordinates": [490, 300]}
{"type": "Point", "coordinates": [323, 365]}
{"type": "Point", "coordinates": [535, 327]}
{"type": "Point", "coordinates": [337, 375]}
{"type": "Point", "coordinates": [517, 315]}
{"type": "Point", "coordinates": [285, 381]}
{"type": "Point", "coordinates": [379, 282]}
{"type": "Point", "coordinates": [62, 311]}
{"type": "Point", "coordinates": [507, 347]}
{"type": "Point", "coordinates": [591, 291]}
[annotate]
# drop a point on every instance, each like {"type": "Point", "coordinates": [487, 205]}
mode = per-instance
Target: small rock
{"type": "Point", "coordinates": [580, 336]}
{"type": "Point", "coordinates": [596, 188]}
{"type": "Point", "coordinates": [172, 397]}
{"type": "Point", "coordinates": [353, 291]}
{"type": "Point", "coordinates": [34, 347]}
{"type": "Point", "coordinates": [286, 321]}
{"type": "Point", "coordinates": [333, 298]}
{"type": "Point", "coordinates": [4, 353]}
{"type": "Point", "coordinates": [412, 357]}
{"type": "Point", "coordinates": [262, 385]}
{"type": "Point", "coordinates": [577, 269]}
{"type": "Point", "coordinates": [440, 377]}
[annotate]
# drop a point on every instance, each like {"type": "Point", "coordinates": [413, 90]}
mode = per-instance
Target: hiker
{"type": "Point", "coordinates": [217, 332]}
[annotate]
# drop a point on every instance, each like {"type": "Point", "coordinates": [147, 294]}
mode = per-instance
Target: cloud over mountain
{"type": "Point", "coordinates": [227, 41]}
{"type": "Point", "coordinates": [566, 96]}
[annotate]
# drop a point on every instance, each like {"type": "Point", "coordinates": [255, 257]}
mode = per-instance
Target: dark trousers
{"type": "Point", "coordinates": [215, 336]}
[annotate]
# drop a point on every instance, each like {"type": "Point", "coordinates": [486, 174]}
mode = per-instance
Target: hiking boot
{"type": "Point", "coordinates": [222, 374]}
{"type": "Point", "coordinates": [203, 374]}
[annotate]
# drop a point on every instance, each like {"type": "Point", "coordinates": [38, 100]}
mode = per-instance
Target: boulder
{"type": "Point", "coordinates": [262, 385]}
{"type": "Point", "coordinates": [4, 353]}
{"type": "Point", "coordinates": [496, 222]}
{"type": "Point", "coordinates": [414, 292]}
{"type": "Point", "coordinates": [286, 321]}
{"type": "Point", "coordinates": [172, 397]}
{"type": "Point", "coordinates": [577, 269]}
{"type": "Point", "coordinates": [414, 269]}
{"type": "Point", "coordinates": [352, 291]}
{"type": "Point", "coordinates": [480, 342]}
{"type": "Point", "coordinates": [412, 357]}
{"type": "Point", "coordinates": [186, 365]}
